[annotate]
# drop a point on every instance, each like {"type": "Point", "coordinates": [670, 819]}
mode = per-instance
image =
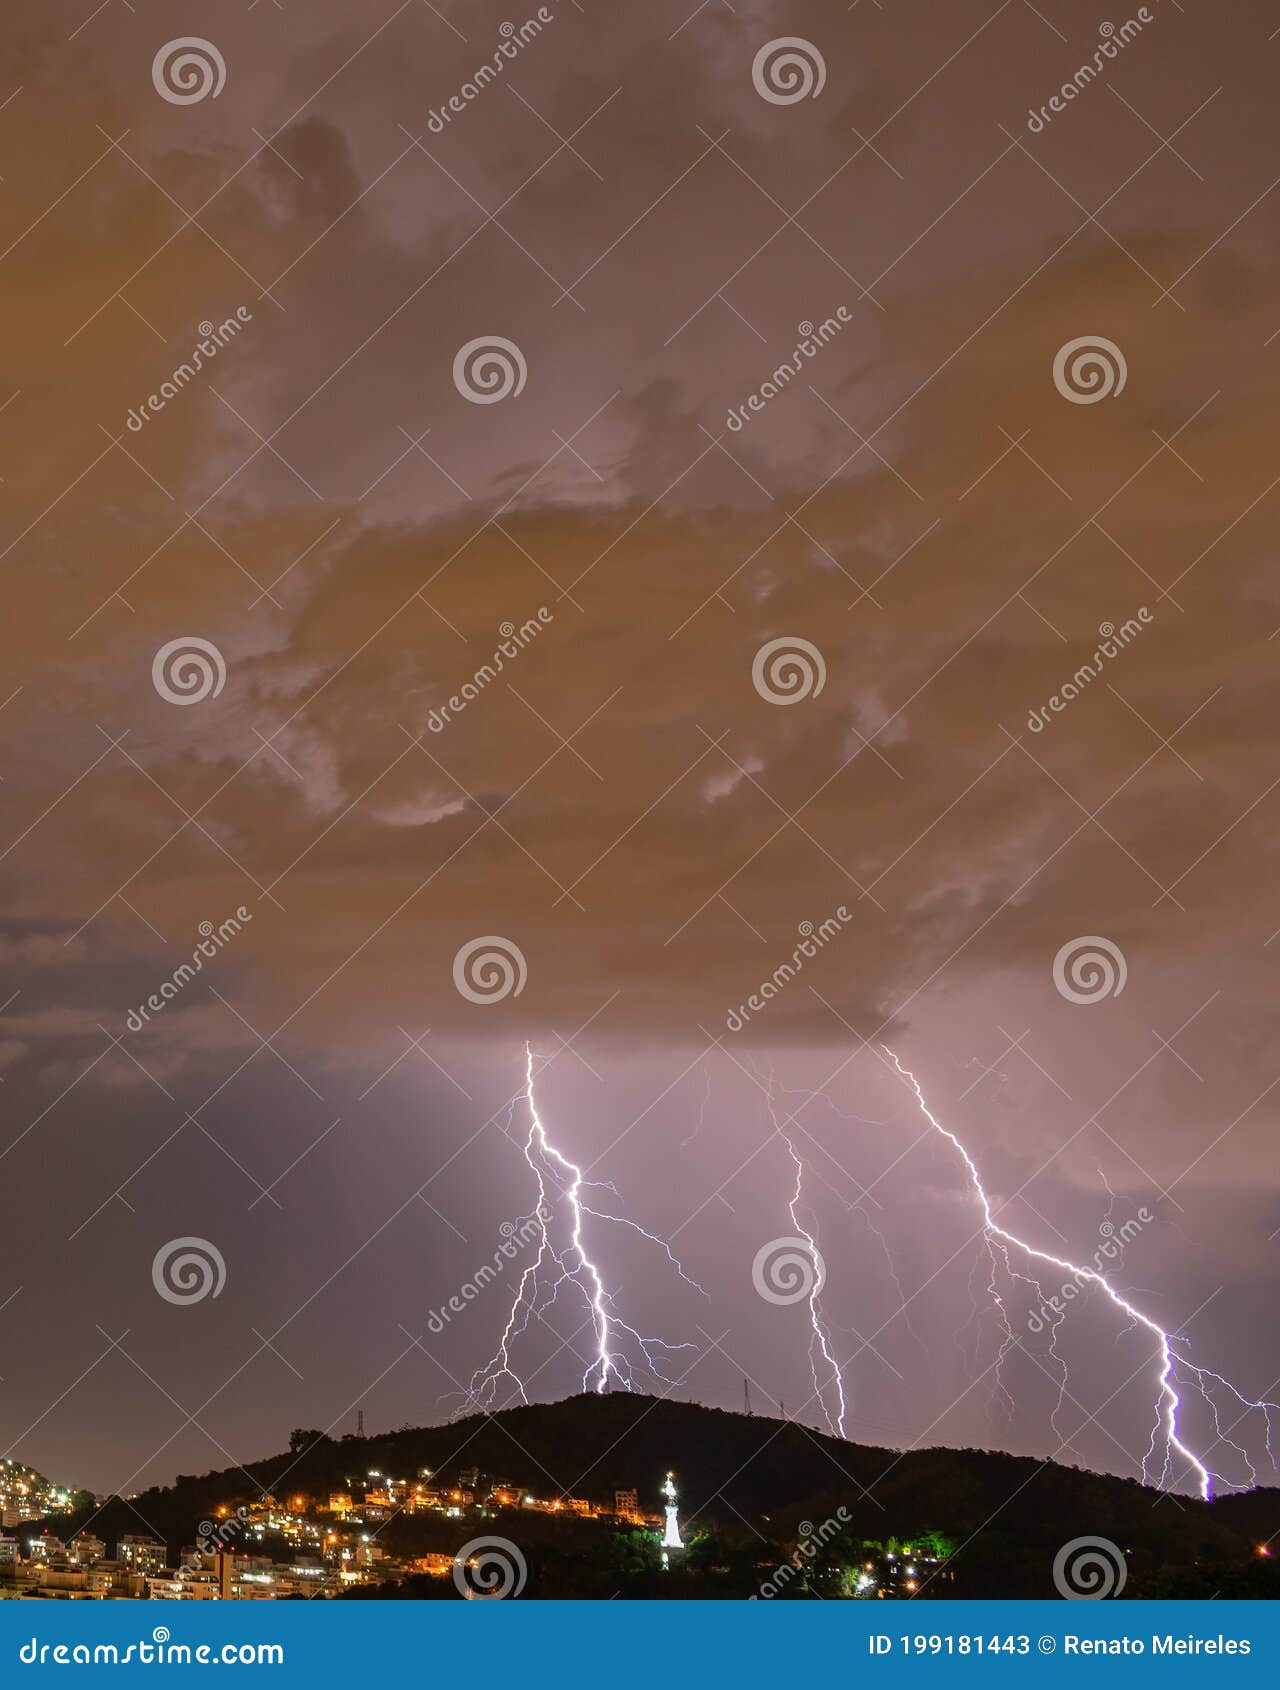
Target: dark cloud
{"type": "Point", "coordinates": [919, 503]}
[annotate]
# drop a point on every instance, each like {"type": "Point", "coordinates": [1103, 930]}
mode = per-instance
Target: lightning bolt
{"type": "Point", "coordinates": [619, 1351]}
{"type": "Point", "coordinates": [859, 1208]}
{"type": "Point", "coordinates": [820, 1342]}
{"type": "Point", "coordinates": [702, 1108]}
{"type": "Point", "coordinates": [1166, 1430]}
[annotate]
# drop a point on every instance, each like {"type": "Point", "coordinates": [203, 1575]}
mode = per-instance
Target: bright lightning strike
{"type": "Point", "coordinates": [820, 1342]}
{"type": "Point", "coordinates": [1166, 1430]}
{"type": "Point", "coordinates": [861, 1208]}
{"type": "Point", "coordinates": [619, 1351]}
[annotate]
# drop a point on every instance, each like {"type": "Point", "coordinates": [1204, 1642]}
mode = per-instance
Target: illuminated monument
{"type": "Point", "coordinates": [671, 1538]}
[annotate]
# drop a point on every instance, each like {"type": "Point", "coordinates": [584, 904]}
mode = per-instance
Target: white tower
{"type": "Point", "coordinates": [671, 1538]}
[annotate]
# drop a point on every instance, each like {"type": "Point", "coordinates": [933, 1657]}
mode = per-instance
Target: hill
{"type": "Point", "coordinates": [749, 1481]}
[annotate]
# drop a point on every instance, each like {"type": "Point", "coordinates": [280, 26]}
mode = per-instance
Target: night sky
{"type": "Point", "coordinates": [642, 228]}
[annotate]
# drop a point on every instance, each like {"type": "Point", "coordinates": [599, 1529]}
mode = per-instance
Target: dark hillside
{"type": "Point", "coordinates": [742, 1475]}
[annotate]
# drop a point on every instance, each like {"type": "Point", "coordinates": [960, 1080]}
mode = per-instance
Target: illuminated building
{"type": "Point", "coordinates": [435, 1562]}
{"type": "Point", "coordinates": [69, 1584]}
{"type": "Point", "coordinates": [900, 1570]}
{"type": "Point", "coordinates": [141, 1554]}
{"type": "Point", "coordinates": [626, 1505]}
{"type": "Point", "coordinates": [671, 1538]}
{"type": "Point", "coordinates": [84, 1549]}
